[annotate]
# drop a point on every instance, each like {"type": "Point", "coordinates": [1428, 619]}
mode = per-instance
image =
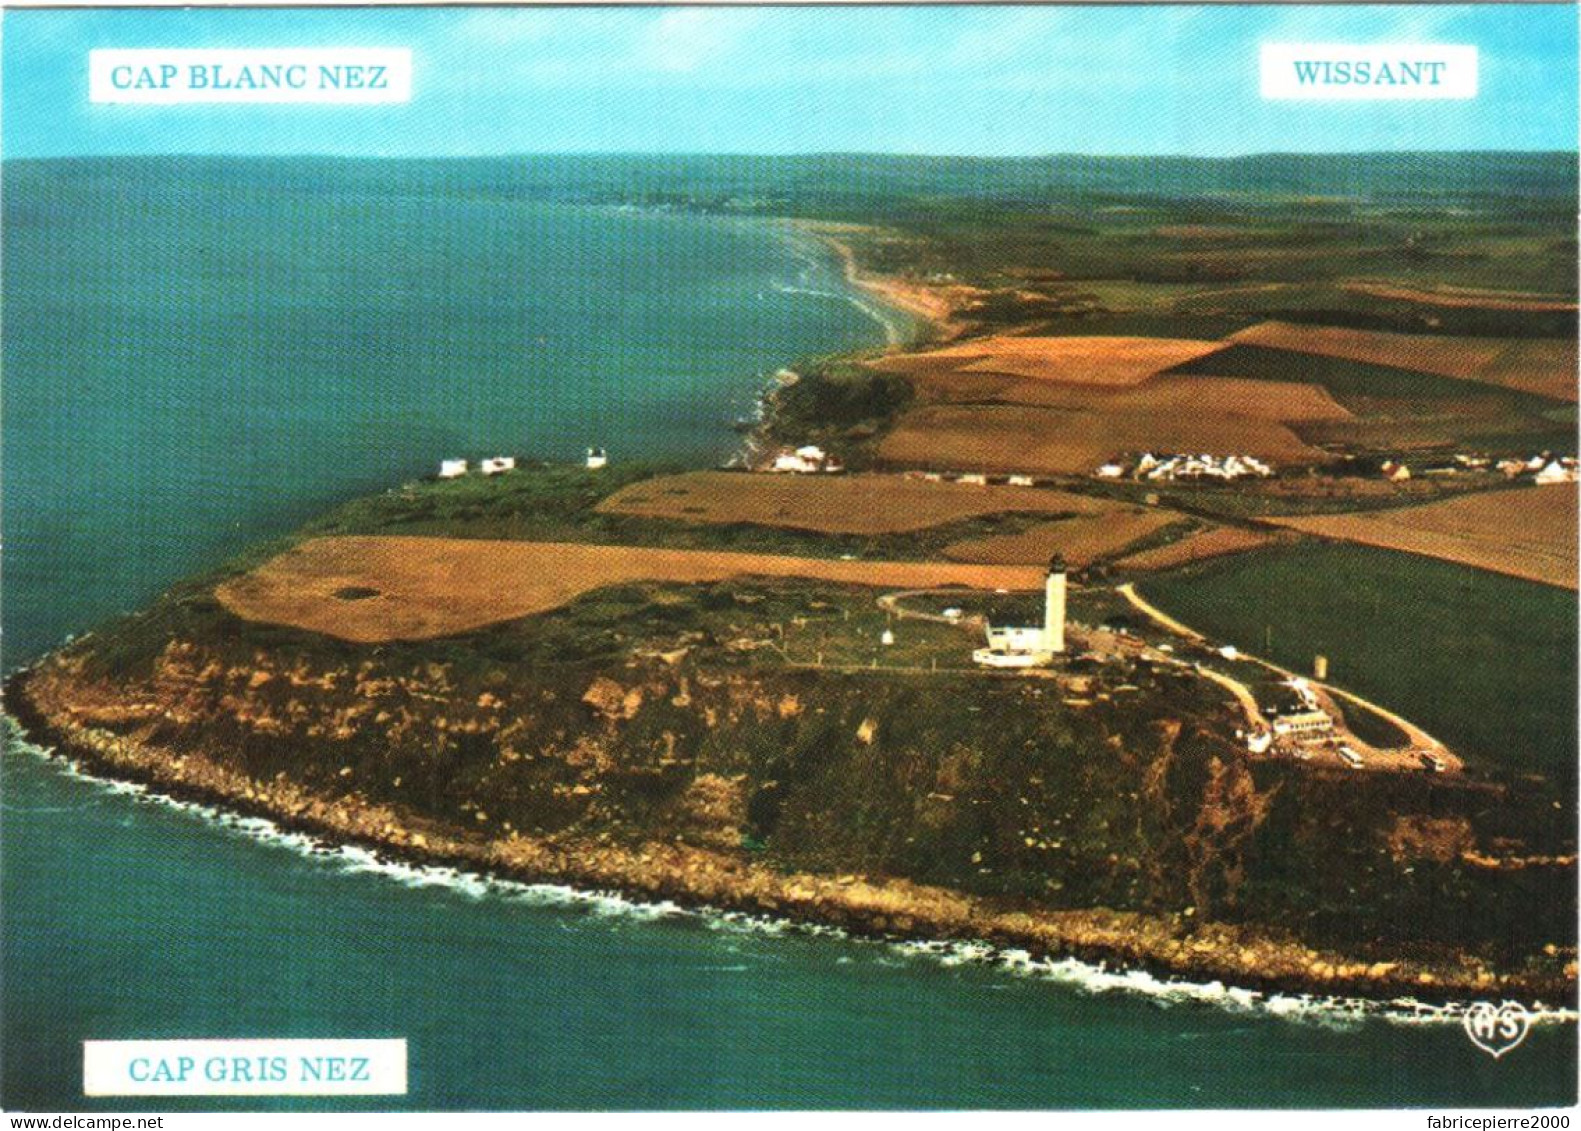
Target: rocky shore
{"type": "Point", "coordinates": [44, 701]}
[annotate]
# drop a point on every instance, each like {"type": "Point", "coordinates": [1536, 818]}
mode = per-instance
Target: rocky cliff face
{"type": "Point", "coordinates": [1120, 825]}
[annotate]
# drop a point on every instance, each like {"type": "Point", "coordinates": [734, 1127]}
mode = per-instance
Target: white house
{"type": "Point", "coordinates": [791, 462]}
{"type": "Point", "coordinates": [805, 460]}
{"type": "Point", "coordinates": [452, 468]}
{"type": "Point", "coordinates": [1304, 725]}
{"type": "Point", "coordinates": [1019, 481]}
{"type": "Point", "coordinates": [1201, 465]}
{"type": "Point", "coordinates": [1556, 472]}
{"type": "Point", "coordinates": [597, 458]}
{"type": "Point", "coordinates": [1028, 646]}
{"type": "Point", "coordinates": [498, 465]}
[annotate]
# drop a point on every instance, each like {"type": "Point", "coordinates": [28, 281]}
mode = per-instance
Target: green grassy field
{"type": "Point", "coordinates": [1486, 663]}
{"type": "Point", "coordinates": [767, 717]}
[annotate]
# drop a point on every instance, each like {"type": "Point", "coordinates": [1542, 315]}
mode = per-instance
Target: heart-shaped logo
{"type": "Point", "coordinates": [1496, 1029]}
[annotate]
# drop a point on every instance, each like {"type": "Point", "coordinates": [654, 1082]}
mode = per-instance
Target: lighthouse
{"type": "Point", "coordinates": [1054, 606]}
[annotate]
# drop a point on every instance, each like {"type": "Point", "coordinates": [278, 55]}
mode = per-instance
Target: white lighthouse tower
{"type": "Point", "coordinates": [1054, 606]}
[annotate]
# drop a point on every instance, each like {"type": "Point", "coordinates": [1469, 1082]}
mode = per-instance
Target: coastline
{"type": "Point", "coordinates": [1163, 946]}
{"type": "Point", "coordinates": [1252, 959]}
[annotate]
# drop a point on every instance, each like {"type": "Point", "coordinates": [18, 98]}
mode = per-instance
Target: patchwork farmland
{"type": "Point", "coordinates": [1528, 532]}
{"type": "Point", "coordinates": [373, 589]}
{"type": "Point", "coordinates": [1546, 367]}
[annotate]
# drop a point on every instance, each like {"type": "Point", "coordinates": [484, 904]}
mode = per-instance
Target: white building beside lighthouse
{"type": "Point", "coordinates": [1030, 646]}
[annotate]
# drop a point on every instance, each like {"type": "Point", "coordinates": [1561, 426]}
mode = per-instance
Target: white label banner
{"type": "Point", "coordinates": [1368, 72]}
{"type": "Point", "coordinates": [159, 76]}
{"type": "Point", "coordinates": [248, 1067]}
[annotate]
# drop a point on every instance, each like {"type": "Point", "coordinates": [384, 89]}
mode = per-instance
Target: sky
{"type": "Point", "coordinates": [980, 81]}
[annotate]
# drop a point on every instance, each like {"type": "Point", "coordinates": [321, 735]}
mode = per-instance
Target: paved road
{"type": "Point", "coordinates": [890, 603]}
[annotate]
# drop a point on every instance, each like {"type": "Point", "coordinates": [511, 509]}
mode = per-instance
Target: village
{"type": "Point", "coordinates": [1542, 468]}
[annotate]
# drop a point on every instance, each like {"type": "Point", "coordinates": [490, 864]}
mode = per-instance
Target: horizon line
{"type": "Point", "coordinates": [799, 155]}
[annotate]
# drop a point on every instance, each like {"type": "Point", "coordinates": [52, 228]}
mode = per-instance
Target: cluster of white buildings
{"type": "Point", "coordinates": [971, 478]}
{"type": "Point", "coordinates": [1159, 468]}
{"type": "Point", "coordinates": [499, 465]}
{"type": "Point", "coordinates": [1542, 469]}
{"type": "Point", "coordinates": [806, 460]}
{"type": "Point", "coordinates": [1308, 721]}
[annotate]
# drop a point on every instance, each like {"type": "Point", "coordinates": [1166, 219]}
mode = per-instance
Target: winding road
{"type": "Point", "coordinates": [1419, 739]}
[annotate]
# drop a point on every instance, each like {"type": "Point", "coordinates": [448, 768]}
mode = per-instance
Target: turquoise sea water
{"type": "Point", "coordinates": [194, 359]}
{"type": "Point", "coordinates": [194, 363]}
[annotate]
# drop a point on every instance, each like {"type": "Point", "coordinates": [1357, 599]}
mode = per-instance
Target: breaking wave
{"type": "Point", "coordinates": [894, 328]}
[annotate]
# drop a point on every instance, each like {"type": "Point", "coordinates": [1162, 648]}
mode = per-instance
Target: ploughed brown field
{"type": "Point", "coordinates": [1526, 532]}
{"type": "Point", "coordinates": [1212, 543]}
{"type": "Point", "coordinates": [1106, 361]}
{"type": "Point", "coordinates": [834, 504]}
{"type": "Point", "coordinates": [1543, 366]}
{"type": "Point", "coordinates": [1279, 401]}
{"type": "Point", "coordinates": [1080, 540]}
{"type": "Point", "coordinates": [1463, 297]}
{"type": "Point", "coordinates": [1546, 367]}
{"type": "Point", "coordinates": [1065, 405]}
{"type": "Point", "coordinates": [370, 589]}
{"type": "Point", "coordinates": [1011, 438]}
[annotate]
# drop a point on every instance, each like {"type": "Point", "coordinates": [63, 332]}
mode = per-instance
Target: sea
{"type": "Point", "coordinates": [199, 357]}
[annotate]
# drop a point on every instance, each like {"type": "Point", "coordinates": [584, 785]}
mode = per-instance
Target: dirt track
{"type": "Point", "coordinates": [373, 589]}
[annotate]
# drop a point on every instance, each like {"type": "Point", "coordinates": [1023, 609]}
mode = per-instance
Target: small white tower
{"type": "Point", "coordinates": [1054, 606]}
